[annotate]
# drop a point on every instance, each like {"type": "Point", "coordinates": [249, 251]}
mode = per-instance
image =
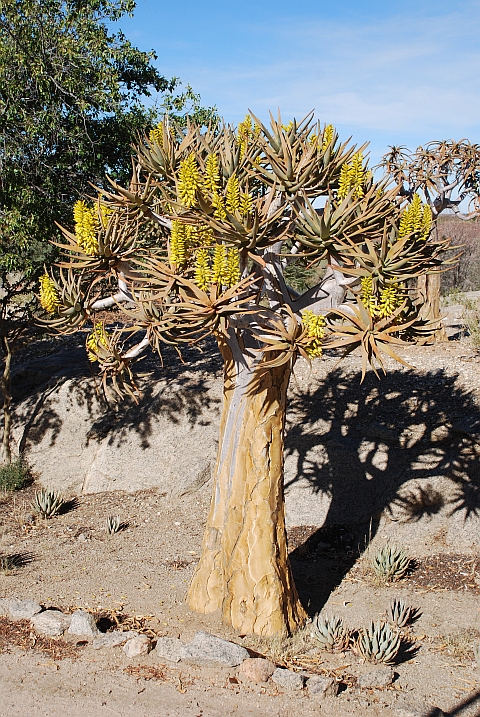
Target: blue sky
{"type": "Point", "coordinates": [385, 72]}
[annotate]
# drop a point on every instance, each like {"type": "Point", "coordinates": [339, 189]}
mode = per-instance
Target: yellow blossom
{"type": "Point", "coordinates": [314, 325]}
{"type": "Point", "coordinates": [202, 269]}
{"type": "Point", "coordinates": [48, 294]}
{"type": "Point", "coordinates": [188, 181]}
{"type": "Point", "coordinates": [97, 337]}
{"type": "Point", "coordinates": [233, 195]}
{"type": "Point", "coordinates": [86, 227]}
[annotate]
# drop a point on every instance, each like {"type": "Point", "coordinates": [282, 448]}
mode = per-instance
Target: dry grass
{"type": "Point", "coordinates": [20, 634]}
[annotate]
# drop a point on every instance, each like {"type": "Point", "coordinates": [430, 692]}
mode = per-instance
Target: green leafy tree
{"type": "Point", "coordinates": [72, 99]}
{"type": "Point", "coordinates": [233, 209]}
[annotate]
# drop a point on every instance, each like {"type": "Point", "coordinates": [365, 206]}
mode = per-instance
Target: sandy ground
{"type": "Point", "coordinates": [143, 572]}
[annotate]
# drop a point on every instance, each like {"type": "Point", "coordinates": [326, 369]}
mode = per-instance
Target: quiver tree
{"type": "Point", "coordinates": [445, 176]}
{"type": "Point", "coordinates": [198, 246]}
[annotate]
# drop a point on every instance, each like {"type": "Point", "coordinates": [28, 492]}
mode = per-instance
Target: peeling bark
{"type": "Point", "coordinates": [244, 568]}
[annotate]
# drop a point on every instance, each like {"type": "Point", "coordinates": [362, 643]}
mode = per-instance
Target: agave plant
{"type": "Point", "coordinates": [390, 563]}
{"type": "Point", "coordinates": [399, 614]}
{"type": "Point", "coordinates": [378, 643]}
{"type": "Point", "coordinates": [330, 632]}
{"type": "Point", "coordinates": [48, 502]}
{"type": "Point", "coordinates": [113, 524]}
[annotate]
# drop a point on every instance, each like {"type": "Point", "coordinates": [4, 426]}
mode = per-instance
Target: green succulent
{"type": "Point", "coordinates": [48, 502]}
{"type": "Point", "coordinates": [390, 563]}
{"type": "Point", "coordinates": [379, 643]}
{"type": "Point", "coordinates": [330, 632]}
{"type": "Point", "coordinates": [399, 614]}
{"type": "Point", "coordinates": [113, 524]}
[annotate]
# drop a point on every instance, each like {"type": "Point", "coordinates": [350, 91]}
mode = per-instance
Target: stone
{"type": "Point", "coordinates": [206, 648]}
{"type": "Point", "coordinates": [321, 686]}
{"type": "Point", "coordinates": [287, 679]}
{"type": "Point", "coordinates": [83, 623]}
{"type": "Point", "coordinates": [23, 609]}
{"type": "Point", "coordinates": [256, 670]}
{"type": "Point", "coordinates": [178, 412]}
{"type": "Point", "coordinates": [378, 678]}
{"type": "Point", "coordinates": [113, 639]}
{"type": "Point", "coordinates": [51, 622]}
{"type": "Point", "coordinates": [4, 606]}
{"type": "Point", "coordinates": [171, 649]}
{"type": "Point", "coordinates": [140, 645]}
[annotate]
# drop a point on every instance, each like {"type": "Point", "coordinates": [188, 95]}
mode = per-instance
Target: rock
{"type": "Point", "coordinates": [51, 622]}
{"type": "Point", "coordinates": [23, 609]}
{"type": "Point", "coordinates": [171, 649]}
{"type": "Point", "coordinates": [255, 669]}
{"type": "Point", "coordinates": [378, 678]}
{"type": "Point", "coordinates": [4, 606]}
{"type": "Point", "coordinates": [72, 421]}
{"type": "Point", "coordinates": [83, 623]}
{"type": "Point", "coordinates": [112, 639]}
{"type": "Point", "coordinates": [139, 645]}
{"type": "Point", "coordinates": [287, 679]}
{"type": "Point", "coordinates": [322, 686]}
{"type": "Point", "coordinates": [205, 648]}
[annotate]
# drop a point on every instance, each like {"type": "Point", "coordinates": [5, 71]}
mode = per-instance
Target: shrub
{"type": "Point", "coordinates": [14, 476]}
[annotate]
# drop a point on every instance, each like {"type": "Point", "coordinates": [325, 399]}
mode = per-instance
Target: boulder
{"type": "Point", "coordinates": [255, 670]}
{"type": "Point", "coordinates": [23, 609]}
{"type": "Point", "coordinates": [140, 645]}
{"type": "Point", "coordinates": [287, 679]}
{"type": "Point", "coordinates": [321, 686]}
{"type": "Point", "coordinates": [83, 624]}
{"type": "Point", "coordinates": [51, 622]}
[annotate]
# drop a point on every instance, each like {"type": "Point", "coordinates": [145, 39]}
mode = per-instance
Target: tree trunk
{"type": "Point", "coordinates": [7, 401]}
{"type": "Point", "coordinates": [244, 567]}
{"type": "Point", "coordinates": [429, 290]}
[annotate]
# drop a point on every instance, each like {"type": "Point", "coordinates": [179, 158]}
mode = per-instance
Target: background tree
{"type": "Point", "coordinates": [71, 103]}
{"type": "Point", "coordinates": [235, 208]}
{"type": "Point", "coordinates": [444, 174]}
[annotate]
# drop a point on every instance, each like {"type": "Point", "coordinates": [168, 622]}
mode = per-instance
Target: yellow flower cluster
{"type": "Point", "coordinates": [188, 181]}
{"type": "Point", "coordinates": [233, 194]}
{"type": "Point", "coordinates": [328, 133]}
{"type": "Point", "coordinates": [314, 325]}
{"type": "Point", "coordinates": [98, 337]}
{"type": "Point", "coordinates": [86, 227]}
{"type": "Point", "coordinates": [246, 132]}
{"type": "Point", "coordinates": [224, 269]}
{"type": "Point", "coordinates": [388, 301]}
{"type": "Point", "coordinates": [416, 218]}
{"type": "Point", "coordinates": [48, 294]}
{"type": "Point", "coordinates": [156, 135]}
{"type": "Point", "coordinates": [211, 181]}
{"type": "Point", "coordinates": [352, 176]}
{"type": "Point", "coordinates": [287, 127]}
{"type": "Point", "coordinates": [184, 238]}
{"type": "Point", "coordinates": [202, 269]}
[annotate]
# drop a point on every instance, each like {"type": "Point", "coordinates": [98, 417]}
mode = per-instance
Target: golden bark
{"type": "Point", "coordinates": [244, 567]}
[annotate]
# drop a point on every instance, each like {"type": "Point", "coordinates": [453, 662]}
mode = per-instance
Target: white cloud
{"type": "Point", "coordinates": [404, 74]}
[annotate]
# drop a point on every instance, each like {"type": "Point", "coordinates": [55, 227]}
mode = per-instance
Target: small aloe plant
{"type": "Point", "coordinates": [390, 563]}
{"type": "Point", "coordinates": [48, 502]}
{"type": "Point", "coordinates": [399, 614]}
{"type": "Point", "coordinates": [378, 643]}
{"type": "Point", "coordinates": [330, 632]}
{"type": "Point", "coordinates": [113, 524]}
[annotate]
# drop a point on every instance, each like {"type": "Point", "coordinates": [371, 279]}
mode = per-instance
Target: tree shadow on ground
{"type": "Point", "coordinates": [170, 390]}
{"type": "Point", "coordinates": [359, 444]}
